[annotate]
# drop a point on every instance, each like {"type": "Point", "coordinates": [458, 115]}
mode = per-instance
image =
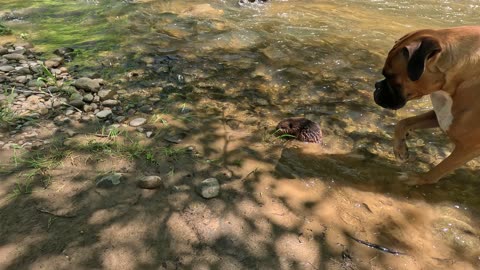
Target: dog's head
{"type": "Point", "coordinates": [410, 71]}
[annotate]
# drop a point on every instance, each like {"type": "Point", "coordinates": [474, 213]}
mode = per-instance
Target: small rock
{"type": "Point", "coordinates": [21, 79]}
{"type": "Point", "coordinates": [145, 108]}
{"type": "Point", "coordinates": [14, 56]}
{"type": "Point", "coordinates": [209, 188]}
{"type": "Point", "coordinates": [87, 108]}
{"type": "Point", "coordinates": [6, 68]}
{"type": "Point", "coordinates": [77, 103]}
{"type": "Point", "coordinates": [24, 71]}
{"type": "Point", "coordinates": [175, 138]}
{"type": "Point", "coordinates": [87, 84]}
{"type": "Point", "coordinates": [106, 94]}
{"type": "Point", "coordinates": [110, 102]}
{"type": "Point", "coordinates": [36, 83]}
{"type": "Point", "coordinates": [150, 182]}
{"type": "Point", "coordinates": [69, 112]}
{"type": "Point", "coordinates": [88, 98]}
{"type": "Point", "coordinates": [53, 63]}
{"type": "Point", "coordinates": [120, 119]}
{"type": "Point", "coordinates": [149, 134]}
{"type": "Point", "coordinates": [137, 122]}
{"type": "Point", "coordinates": [104, 113]}
{"type": "Point", "coordinates": [109, 181]}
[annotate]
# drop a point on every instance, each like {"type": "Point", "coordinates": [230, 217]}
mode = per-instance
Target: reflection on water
{"type": "Point", "coordinates": [262, 63]}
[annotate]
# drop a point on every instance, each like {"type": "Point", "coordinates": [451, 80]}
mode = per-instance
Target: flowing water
{"type": "Point", "coordinates": [254, 64]}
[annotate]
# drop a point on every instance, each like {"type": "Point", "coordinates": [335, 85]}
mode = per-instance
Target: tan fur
{"type": "Point", "coordinates": [454, 70]}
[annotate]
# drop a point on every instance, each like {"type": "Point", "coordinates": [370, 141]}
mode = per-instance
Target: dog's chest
{"type": "Point", "coordinates": [442, 105]}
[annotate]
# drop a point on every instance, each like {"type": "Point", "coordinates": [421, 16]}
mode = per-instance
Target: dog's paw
{"type": "Point", "coordinates": [400, 150]}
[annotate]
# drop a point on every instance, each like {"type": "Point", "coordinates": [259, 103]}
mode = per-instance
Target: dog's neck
{"type": "Point", "coordinates": [442, 105]}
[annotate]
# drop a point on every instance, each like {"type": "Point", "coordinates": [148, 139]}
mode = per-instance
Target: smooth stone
{"type": "Point", "coordinates": [120, 119]}
{"type": "Point", "coordinates": [105, 94]}
{"type": "Point", "coordinates": [24, 71]}
{"type": "Point", "coordinates": [209, 188]}
{"type": "Point", "coordinates": [110, 102]}
{"type": "Point", "coordinates": [21, 79]}
{"type": "Point", "coordinates": [6, 68]}
{"type": "Point", "coordinates": [77, 103]}
{"type": "Point", "coordinates": [88, 98]}
{"type": "Point", "coordinates": [103, 114]}
{"type": "Point", "coordinates": [53, 63]}
{"type": "Point", "coordinates": [36, 83]}
{"type": "Point", "coordinates": [14, 56]}
{"type": "Point", "coordinates": [87, 84]}
{"type": "Point", "coordinates": [150, 182]}
{"type": "Point", "coordinates": [137, 122]}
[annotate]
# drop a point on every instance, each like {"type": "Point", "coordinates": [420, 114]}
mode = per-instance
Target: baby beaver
{"type": "Point", "coordinates": [303, 129]}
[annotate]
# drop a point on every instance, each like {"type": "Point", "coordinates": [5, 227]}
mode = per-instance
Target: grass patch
{"type": "Point", "coordinates": [157, 117]}
{"type": "Point", "coordinates": [4, 30]}
{"type": "Point", "coordinates": [21, 189]}
{"type": "Point", "coordinates": [7, 116]}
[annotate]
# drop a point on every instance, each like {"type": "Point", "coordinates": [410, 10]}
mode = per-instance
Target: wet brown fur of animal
{"type": "Point", "coordinates": [301, 128]}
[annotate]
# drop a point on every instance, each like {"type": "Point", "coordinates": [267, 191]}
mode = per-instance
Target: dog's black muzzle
{"type": "Point", "coordinates": [387, 96]}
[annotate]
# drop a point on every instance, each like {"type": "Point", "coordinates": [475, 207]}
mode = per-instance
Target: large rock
{"type": "Point", "coordinates": [87, 84]}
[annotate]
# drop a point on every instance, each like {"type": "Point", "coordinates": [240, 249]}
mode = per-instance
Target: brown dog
{"type": "Point", "coordinates": [444, 64]}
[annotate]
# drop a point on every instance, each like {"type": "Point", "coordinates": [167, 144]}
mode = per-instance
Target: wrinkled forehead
{"type": "Point", "coordinates": [395, 62]}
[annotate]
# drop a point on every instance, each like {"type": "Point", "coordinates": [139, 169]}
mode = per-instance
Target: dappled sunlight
{"type": "Point", "coordinates": [212, 80]}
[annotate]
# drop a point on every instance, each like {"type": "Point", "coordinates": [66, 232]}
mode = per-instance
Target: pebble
{"type": "Point", "coordinates": [104, 113]}
{"type": "Point", "coordinates": [209, 188]}
{"type": "Point", "coordinates": [88, 98]}
{"type": "Point", "coordinates": [14, 56]}
{"type": "Point", "coordinates": [110, 102]}
{"type": "Point", "coordinates": [6, 68]}
{"type": "Point", "coordinates": [105, 94]}
{"type": "Point", "coordinates": [137, 122]}
{"type": "Point", "coordinates": [150, 182]}
{"type": "Point", "coordinates": [53, 63]}
{"type": "Point", "coordinates": [69, 112]}
{"type": "Point", "coordinates": [120, 119]}
{"type": "Point", "coordinates": [87, 84]}
{"type": "Point", "coordinates": [77, 103]}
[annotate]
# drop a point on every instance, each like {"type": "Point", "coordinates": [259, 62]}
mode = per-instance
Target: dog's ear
{"type": "Point", "coordinates": [417, 53]}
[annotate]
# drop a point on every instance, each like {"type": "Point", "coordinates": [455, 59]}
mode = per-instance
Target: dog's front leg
{"type": "Point", "coordinates": [422, 121]}
{"type": "Point", "coordinates": [459, 156]}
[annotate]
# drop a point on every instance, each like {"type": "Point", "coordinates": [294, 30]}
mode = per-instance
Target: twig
{"type": "Point", "coordinates": [378, 247]}
{"type": "Point", "coordinates": [252, 172]}
{"type": "Point", "coordinates": [55, 215]}
{"type": "Point", "coordinates": [78, 110]}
